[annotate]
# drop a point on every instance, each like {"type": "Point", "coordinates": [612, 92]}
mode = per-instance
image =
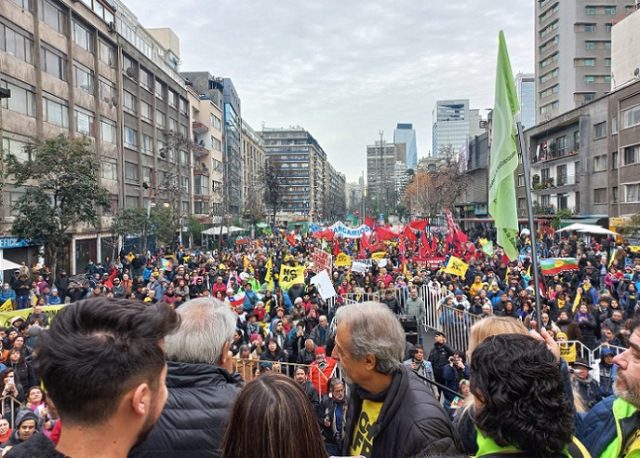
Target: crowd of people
{"type": "Point", "coordinates": [264, 329]}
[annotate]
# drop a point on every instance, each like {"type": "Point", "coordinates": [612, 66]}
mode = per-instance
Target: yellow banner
{"type": "Point", "coordinates": [568, 352]}
{"type": "Point", "coordinates": [634, 248]}
{"type": "Point", "coordinates": [6, 317]}
{"type": "Point", "coordinates": [379, 255]}
{"type": "Point", "coordinates": [268, 276]}
{"type": "Point", "coordinates": [456, 266]}
{"type": "Point", "coordinates": [343, 260]}
{"type": "Point", "coordinates": [290, 276]}
{"type": "Point", "coordinates": [7, 306]}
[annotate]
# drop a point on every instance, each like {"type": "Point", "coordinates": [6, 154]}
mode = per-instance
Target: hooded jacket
{"type": "Point", "coordinates": [196, 414]}
{"type": "Point", "coordinates": [22, 416]}
{"type": "Point", "coordinates": [38, 446]}
{"type": "Point", "coordinates": [411, 421]}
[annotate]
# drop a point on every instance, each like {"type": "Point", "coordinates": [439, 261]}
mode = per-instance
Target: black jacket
{"type": "Point", "coordinates": [196, 414]}
{"type": "Point", "coordinates": [439, 358]}
{"type": "Point", "coordinates": [38, 446]}
{"type": "Point", "coordinates": [411, 421]}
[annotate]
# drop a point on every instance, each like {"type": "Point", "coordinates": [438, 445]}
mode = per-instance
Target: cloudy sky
{"type": "Point", "coordinates": [345, 69]}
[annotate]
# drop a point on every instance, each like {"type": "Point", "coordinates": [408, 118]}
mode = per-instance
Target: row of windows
{"type": "Point", "coordinates": [16, 42]}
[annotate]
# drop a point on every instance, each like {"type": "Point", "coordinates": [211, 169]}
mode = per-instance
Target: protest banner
{"type": "Point", "coordinates": [321, 261]}
{"type": "Point", "coordinates": [324, 285]}
{"type": "Point", "coordinates": [290, 276]}
{"type": "Point", "coordinates": [343, 260]}
{"type": "Point", "coordinates": [7, 316]}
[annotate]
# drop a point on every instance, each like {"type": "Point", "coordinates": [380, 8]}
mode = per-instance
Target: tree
{"type": "Point", "coordinates": [438, 186]}
{"type": "Point", "coordinates": [62, 192]}
{"type": "Point", "coordinates": [273, 179]}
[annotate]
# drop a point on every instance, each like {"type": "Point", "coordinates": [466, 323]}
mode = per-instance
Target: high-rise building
{"type": "Point", "coordinates": [450, 126]}
{"type": "Point", "coordinates": [253, 166]}
{"type": "Point", "coordinates": [384, 163]}
{"type": "Point", "coordinates": [335, 199]}
{"type": "Point", "coordinates": [405, 133]}
{"type": "Point", "coordinates": [91, 68]}
{"type": "Point", "coordinates": [526, 90]}
{"type": "Point", "coordinates": [302, 163]}
{"type": "Point", "coordinates": [625, 52]}
{"type": "Point", "coordinates": [223, 94]}
{"type": "Point", "coordinates": [573, 52]}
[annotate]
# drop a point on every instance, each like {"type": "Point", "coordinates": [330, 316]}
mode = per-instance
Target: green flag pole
{"type": "Point", "coordinates": [526, 166]}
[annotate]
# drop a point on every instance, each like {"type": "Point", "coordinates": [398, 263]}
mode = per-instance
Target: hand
{"type": "Point", "coordinates": [545, 337]}
{"type": "Point", "coordinates": [414, 366]}
{"type": "Point", "coordinates": [327, 422]}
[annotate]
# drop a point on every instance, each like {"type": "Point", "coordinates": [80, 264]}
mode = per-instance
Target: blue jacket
{"type": "Point", "coordinates": [596, 429]}
{"type": "Point", "coordinates": [250, 300]}
{"type": "Point", "coordinates": [9, 294]}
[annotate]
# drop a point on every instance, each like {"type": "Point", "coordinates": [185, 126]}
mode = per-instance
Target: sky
{"type": "Point", "coordinates": [345, 69]}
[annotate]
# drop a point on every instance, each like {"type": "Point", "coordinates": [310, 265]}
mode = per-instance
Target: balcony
{"type": "Point", "coordinates": [199, 151]}
{"type": "Point", "coordinates": [553, 155]}
{"type": "Point", "coordinates": [552, 183]}
{"type": "Point", "coordinates": [199, 127]}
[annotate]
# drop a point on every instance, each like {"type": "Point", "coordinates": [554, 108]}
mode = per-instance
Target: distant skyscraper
{"type": "Point", "coordinates": [406, 134]}
{"type": "Point", "coordinates": [450, 125]}
{"type": "Point", "coordinates": [573, 52]}
{"type": "Point", "coordinates": [526, 89]}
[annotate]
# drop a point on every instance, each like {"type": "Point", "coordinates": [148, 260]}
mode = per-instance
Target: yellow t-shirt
{"type": "Point", "coordinates": [361, 441]}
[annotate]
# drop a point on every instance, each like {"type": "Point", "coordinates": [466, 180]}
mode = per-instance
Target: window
{"type": "Point", "coordinates": [614, 160]}
{"type": "Point", "coordinates": [600, 163]}
{"type": "Point", "coordinates": [107, 53]}
{"type": "Point", "coordinates": [131, 201]}
{"type": "Point", "coordinates": [109, 170]}
{"type": "Point", "coordinates": [173, 125]}
{"type": "Point", "coordinates": [24, 4]}
{"type": "Point", "coordinates": [183, 131]}
{"type": "Point", "coordinates": [561, 145]}
{"type": "Point", "coordinates": [16, 43]}
{"type": "Point", "coordinates": [614, 126]}
{"type": "Point", "coordinates": [632, 155]}
{"type": "Point", "coordinates": [130, 137]}
{"type": "Point", "coordinates": [216, 144]}
{"type": "Point", "coordinates": [589, 79]}
{"type": "Point", "coordinates": [585, 62]}
{"type": "Point", "coordinates": [56, 112]}
{"type": "Point", "coordinates": [608, 28]}
{"type": "Point", "coordinates": [614, 194]}
{"type": "Point", "coordinates": [631, 117]}
{"type": "Point", "coordinates": [591, 10]}
{"type": "Point", "coordinates": [159, 89]}
{"type": "Point", "coordinates": [85, 122]}
{"type": "Point", "coordinates": [161, 146]}
{"type": "Point", "coordinates": [520, 180]}
{"type": "Point", "coordinates": [16, 148]}
{"type": "Point", "coordinates": [54, 62]}
{"type": "Point", "coordinates": [129, 66]}
{"type": "Point", "coordinates": [183, 106]}
{"type": "Point", "coordinates": [547, 76]}
{"type": "Point", "coordinates": [107, 90]}
{"type": "Point", "coordinates": [131, 171]}
{"type": "Point", "coordinates": [145, 111]}
{"type": "Point", "coordinates": [522, 203]}
{"type": "Point", "coordinates": [576, 171]}
{"type": "Point", "coordinates": [147, 144]}
{"type": "Point", "coordinates": [52, 15]}
{"type": "Point", "coordinates": [22, 100]}
{"type": "Point", "coordinates": [590, 45]}
{"type": "Point", "coordinates": [589, 27]}
{"type": "Point", "coordinates": [561, 175]}
{"type": "Point", "coordinates": [146, 79]}
{"type": "Point", "coordinates": [173, 98]}
{"type": "Point", "coordinates": [201, 185]}
{"type": "Point", "coordinates": [548, 92]}
{"type": "Point", "coordinates": [83, 78]}
{"type": "Point", "coordinates": [216, 122]}
{"type": "Point", "coordinates": [161, 120]}
{"type": "Point", "coordinates": [184, 157]}
{"type": "Point", "coordinates": [129, 101]}
{"type": "Point", "coordinates": [632, 192]}
{"type": "Point", "coordinates": [184, 184]}
{"type": "Point", "coordinates": [600, 196]}
{"type": "Point", "coordinates": [607, 61]}
{"type": "Point", "coordinates": [549, 107]}
{"type": "Point", "coordinates": [108, 131]}
{"type": "Point", "coordinates": [549, 60]}
{"type": "Point", "coordinates": [600, 130]}
{"type": "Point", "coordinates": [82, 36]}
{"type": "Point", "coordinates": [610, 10]}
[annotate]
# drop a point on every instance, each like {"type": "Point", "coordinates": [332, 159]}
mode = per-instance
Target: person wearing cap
{"type": "Point", "coordinates": [607, 372]}
{"type": "Point", "coordinates": [611, 428]}
{"type": "Point", "coordinates": [439, 356]}
{"type": "Point", "coordinates": [585, 385]}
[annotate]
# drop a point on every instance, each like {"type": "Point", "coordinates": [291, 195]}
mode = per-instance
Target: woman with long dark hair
{"type": "Point", "coordinates": [273, 417]}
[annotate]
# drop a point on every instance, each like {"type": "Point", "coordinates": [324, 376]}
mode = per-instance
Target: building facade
{"type": "Point", "coordinates": [625, 51]}
{"type": "Point", "coordinates": [474, 202]}
{"type": "Point", "coordinates": [89, 68]}
{"type": "Point", "coordinates": [450, 127]}
{"type": "Point", "coordinates": [335, 199]}
{"type": "Point", "coordinates": [573, 52]}
{"type": "Point", "coordinates": [383, 163]}
{"type": "Point", "coordinates": [405, 133]}
{"type": "Point", "coordinates": [253, 166]}
{"type": "Point", "coordinates": [302, 164]}
{"type": "Point", "coordinates": [587, 161]}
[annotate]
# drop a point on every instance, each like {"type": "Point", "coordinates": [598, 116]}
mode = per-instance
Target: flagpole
{"type": "Point", "coordinates": [526, 166]}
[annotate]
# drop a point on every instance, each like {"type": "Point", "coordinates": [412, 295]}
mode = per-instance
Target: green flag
{"type": "Point", "coordinates": [488, 248]}
{"type": "Point", "coordinates": [504, 156]}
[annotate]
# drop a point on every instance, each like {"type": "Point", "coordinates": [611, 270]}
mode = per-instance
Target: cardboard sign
{"type": "Point", "coordinates": [342, 260]}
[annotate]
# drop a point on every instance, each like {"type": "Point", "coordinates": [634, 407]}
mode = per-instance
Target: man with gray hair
{"type": "Point", "coordinates": [201, 382]}
{"type": "Point", "coordinates": [391, 412]}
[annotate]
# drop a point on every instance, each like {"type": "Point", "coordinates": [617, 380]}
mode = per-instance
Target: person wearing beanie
{"type": "Point", "coordinates": [26, 426]}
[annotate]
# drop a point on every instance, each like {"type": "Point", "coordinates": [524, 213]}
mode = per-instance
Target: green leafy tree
{"type": "Point", "coordinates": [62, 191]}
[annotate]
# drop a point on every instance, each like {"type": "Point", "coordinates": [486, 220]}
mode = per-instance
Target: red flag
{"type": "Point", "coordinates": [291, 239]}
{"type": "Point", "coordinates": [369, 221]}
{"type": "Point", "coordinates": [419, 225]}
{"type": "Point", "coordinates": [425, 249]}
{"type": "Point", "coordinates": [401, 246]}
{"type": "Point", "coordinates": [408, 233]}
{"type": "Point", "coordinates": [385, 234]}
{"type": "Point", "coordinates": [336, 248]}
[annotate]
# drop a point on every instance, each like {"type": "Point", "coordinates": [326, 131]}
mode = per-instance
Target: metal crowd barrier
{"type": "Point", "coordinates": [9, 408]}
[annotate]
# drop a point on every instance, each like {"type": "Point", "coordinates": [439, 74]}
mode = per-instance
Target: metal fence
{"type": "Point", "coordinates": [9, 408]}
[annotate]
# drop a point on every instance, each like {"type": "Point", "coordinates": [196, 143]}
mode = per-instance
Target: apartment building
{"type": "Point", "coordinates": [335, 199]}
{"type": "Point", "coordinates": [386, 164]}
{"type": "Point", "coordinates": [89, 68]}
{"type": "Point", "coordinates": [253, 166]}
